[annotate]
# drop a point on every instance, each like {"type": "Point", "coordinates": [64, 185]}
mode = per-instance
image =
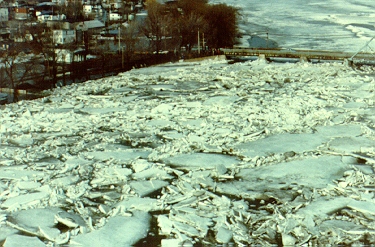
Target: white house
{"type": "Point", "coordinates": [88, 9]}
{"type": "Point", "coordinates": [62, 37]}
{"type": "Point", "coordinates": [59, 2]}
{"type": "Point", "coordinates": [68, 56]}
{"type": "Point", "coordinates": [115, 16]}
{"type": "Point", "coordinates": [50, 17]}
{"type": "Point", "coordinates": [4, 14]}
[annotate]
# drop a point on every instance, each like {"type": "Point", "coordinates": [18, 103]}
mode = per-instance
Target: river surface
{"type": "Point", "coordinates": [344, 25]}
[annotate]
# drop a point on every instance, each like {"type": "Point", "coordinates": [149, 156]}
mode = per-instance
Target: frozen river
{"type": "Point", "coordinates": [344, 25]}
{"type": "Point", "coordinates": [200, 153]}
{"type": "Point", "coordinates": [193, 153]}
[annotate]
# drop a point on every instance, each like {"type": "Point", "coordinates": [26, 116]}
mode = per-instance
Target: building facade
{"type": "Point", "coordinates": [62, 37]}
{"type": "Point", "coordinates": [4, 14]}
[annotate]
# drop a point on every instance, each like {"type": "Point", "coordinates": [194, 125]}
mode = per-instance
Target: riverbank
{"type": "Point", "coordinates": [92, 70]}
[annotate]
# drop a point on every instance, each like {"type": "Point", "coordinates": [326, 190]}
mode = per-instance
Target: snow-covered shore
{"type": "Point", "coordinates": [201, 152]}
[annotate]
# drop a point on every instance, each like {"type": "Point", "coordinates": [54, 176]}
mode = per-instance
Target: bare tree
{"type": "Point", "coordinates": [130, 37]}
{"type": "Point", "coordinates": [156, 25]}
{"type": "Point", "coordinates": [74, 11]}
{"type": "Point", "coordinates": [42, 43]}
{"type": "Point", "coordinates": [193, 6]}
{"type": "Point", "coordinates": [189, 26]}
{"type": "Point", "coordinates": [18, 68]}
{"type": "Point", "coordinates": [222, 25]}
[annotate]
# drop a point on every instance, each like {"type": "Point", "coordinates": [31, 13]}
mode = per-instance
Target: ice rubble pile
{"type": "Point", "coordinates": [250, 153]}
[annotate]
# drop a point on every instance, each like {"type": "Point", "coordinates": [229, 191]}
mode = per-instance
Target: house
{"type": "Point", "coordinates": [116, 5]}
{"type": "Point", "coordinates": [86, 29]}
{"type": "Point", "coordinates": [59, 2]}
{"type": "Point", "coordinates": [45, 7]}
{"type": "Point", "coordinates": [113, 16]}
{"type": "Point", "coordinates": [21, 13]}
{"type": "Point", "coordinates": [91, 2]}
{"type": "Point", "coordinates": [4, 14]}
{"type": "Point", "coordinates": [51, 17]}
{"type": "Point", "coordinates": [68, 56]}
{"type": "Point", "coordinates": [62, 37]}
{"type": "Point", "coordinates": [93, 26]}
{"type": "Point", "coordinates": [88, 9]}
{"type": "Point", "coordinates": [92, 9]}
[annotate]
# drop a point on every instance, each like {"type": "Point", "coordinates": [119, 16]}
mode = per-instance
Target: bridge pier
{"type": "Point", "coordinates": [349, 62]}
{"type": "Point", "coordinates": [304, 59]}
{"type": "Point", "coordinates": [263, 57]}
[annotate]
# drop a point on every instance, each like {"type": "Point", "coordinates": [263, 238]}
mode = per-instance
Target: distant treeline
{"type": "Point", "coordinates": [182, 20]}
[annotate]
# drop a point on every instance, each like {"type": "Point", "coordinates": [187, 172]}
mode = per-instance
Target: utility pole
{"type": "Point", "coordinates": [122, 56]}
{"type": "Point", "coordinates": [199, 43]}
{"type": "Point", "coordinates": [119, 39]}
{"type": "Point", "coordinates": [203, 43]}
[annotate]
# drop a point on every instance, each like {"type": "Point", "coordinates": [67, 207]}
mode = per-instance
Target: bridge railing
{"type": "Point", "coordinates": [299, 53]}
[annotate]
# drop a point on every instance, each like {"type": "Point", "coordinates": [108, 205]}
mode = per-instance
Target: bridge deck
{"type": "Point", "coordinates": [308, 54]}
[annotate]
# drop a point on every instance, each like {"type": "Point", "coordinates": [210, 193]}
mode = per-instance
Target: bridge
{"type": "Point", "coordinates": [308, 55]}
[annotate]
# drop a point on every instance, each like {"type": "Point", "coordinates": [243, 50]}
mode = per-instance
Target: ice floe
{"type": "Point", "coordinates": [207, 152]}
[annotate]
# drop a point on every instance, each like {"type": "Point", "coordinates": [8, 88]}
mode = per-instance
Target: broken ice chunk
{"type": "Point", "coordinates": [339, 130]}
{"type": "Point", "coordinates": [351, 144]}
{"type": "Point", "coordinates": [22, 140]}
{"type": "Point", "coordinates": [323, 208]}
{"type": "Point", "coordinates": [153, 172]}
{"type": "Point", "coordinates": [69, 220]}
{"type": "Point", "coordinates": [19, 173]}
{"type": "Point", "coordinates": [6, 231]}
{"type": "Point", "coordinates": [125, 155]}
{"type": "Point", "coordinates": [162, 109]}
{"type": "Point", "coordinates": [140, 165]}
{"type": "Point", "coordinates": [143, 188]}
{"type": "Point", "coordinates": [136, 203]}
{"type": "Point", "coordinates": [34, 218]}
{"type": "Point", "coordinates": [282, 143]}
{"type": "Point", "coordinates": [288, 240]}
{"type": "Point", "coordinates": [340, 225]}
{"type": "Point", "coordinates": [20, 240]}
{"type": "Point", "coordinates": [355, 105]}
{"type": "Point", "coordinates": [165, 224]}
{"type": "Point", "coordinates": [118, 231]}
{"type": "Point", "coordinates": [224, 235]}
{"type": "Point", "coordinates": [221, 101]}
{"type": "Point", "coordinates": [201, 160]}
{"type": "Point", "coordinates": [28, 185]}
{"type": "Point", "coordinates": [65, 181]}
{"type": "Point", "coordinates": [283, 177]}
{"type": "Point", "coordinates": [49, 233]}
{"type": "Point", "coordinates": [24, 200]}
{"type": "Point", "coordinates": [364, 207]}
{"type": "Point", "coordinates": [186, 229]}
{"type": "Point", "coordinates": [220, 169]}
{"type": "Point", "coordinates": [170, 242]}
